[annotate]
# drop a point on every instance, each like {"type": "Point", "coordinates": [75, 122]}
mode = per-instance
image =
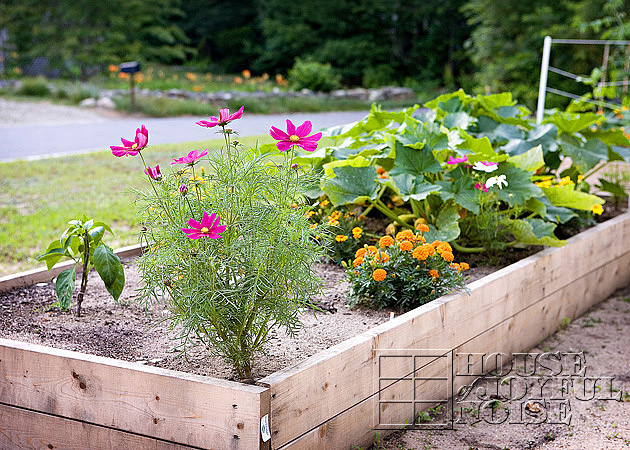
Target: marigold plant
{"type": "Point", "coordinates": [403, 272]}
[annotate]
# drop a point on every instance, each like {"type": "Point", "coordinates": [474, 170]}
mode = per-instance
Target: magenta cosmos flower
{"type": "Point", "coordinates": [452, 160]}
{"type": "Point", "coordinates": [224, 118]}
{"type": "Point", "coordinates": [208, 227]}
{"type": "Point", "coordinates": [132, 148]}
{"type": "Point", "coordinates": [154, 172]}
{"type": "Point", "coordinates": [191, 158]}
{"type": "Point", "coordinates": [296, 136]}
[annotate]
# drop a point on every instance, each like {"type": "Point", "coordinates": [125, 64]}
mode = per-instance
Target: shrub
{"type": "Point", "coordinates": [230, 248]}
{"type": "Point", "coordinates": [404, 272]}
{"type": "Point", "coordinates": [381, 75]}
{"type": "Point", "coordinates": [34, 87]}
{"type": "Point", "coordinates": [308, 74]}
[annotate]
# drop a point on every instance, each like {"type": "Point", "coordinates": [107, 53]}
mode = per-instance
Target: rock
{"type": "Point", "coordinates": [106, 102]}
{"type": "Point", "coordinates": [88, 103]}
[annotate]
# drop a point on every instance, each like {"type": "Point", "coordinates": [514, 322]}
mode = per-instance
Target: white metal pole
{"type": "Point", "coordinates": [542, 88]}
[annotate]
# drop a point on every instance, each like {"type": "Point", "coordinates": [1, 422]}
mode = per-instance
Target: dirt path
{"type": "Point", "coordinates": [603, 335]}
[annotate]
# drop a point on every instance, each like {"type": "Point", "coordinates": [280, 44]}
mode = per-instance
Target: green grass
{"type": "Point", "coordinates": [38, 198]}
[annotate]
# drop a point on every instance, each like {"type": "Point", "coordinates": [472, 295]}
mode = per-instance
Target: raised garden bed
{"type": "Point", "coordinates": [53, 398]}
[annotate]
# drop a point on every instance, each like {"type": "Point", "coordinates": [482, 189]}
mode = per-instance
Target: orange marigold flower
{"type": "Point", "coordinates": [405, 246]}
{"type": "Point", "coordinates": [380, 170]}
{"type": "Point", "coordinates": [422, 252]}
{"type": "Point", "coordinates": [464, 266]}
{"type": "Point", "coordinates": [357, 262]}
{"type": "Point", "coordinates": [423, 227]}
{"type": "Point", "coordinates": [335, 215]}
{"type": "Point", "coordinates": [372, 250]}
{"type": "Point", "coordinates": [444, 247]}
{"type": "Point", "coordinates": [379, 275]}
{"type": "Point", "coordinates": [456, 267]}
{"type": "Point", "coordinates": [341, 238]}
{"type": "Point", "coordinates": [386, 241]}
{"type": "Point", "coordinates": [405, 235]}
{"type": "Point", "coordinates": [447, 256]}
{"type": "Point", "coordinates": [434, 273]}
{"type": "Point", "coordinates": [360, 253]}
{"type": "Point", "coordinates": [357, 232]}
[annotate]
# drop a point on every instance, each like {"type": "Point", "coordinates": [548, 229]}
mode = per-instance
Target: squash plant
{"type": "Point", "coordinates": [438, 161]}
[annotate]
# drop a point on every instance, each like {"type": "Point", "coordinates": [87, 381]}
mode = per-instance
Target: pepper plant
{"type": "Point", "coordinates": [82, 242]}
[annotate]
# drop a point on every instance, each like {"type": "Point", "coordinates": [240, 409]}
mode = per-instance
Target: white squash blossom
{"type": "Point", "coordinates": [485, 166]}
{"type": "Point", "coordinates": [500, 181]}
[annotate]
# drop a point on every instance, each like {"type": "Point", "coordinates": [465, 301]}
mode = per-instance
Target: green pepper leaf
{"type": "Point", "coordinates": [65, 287]}
{"type": "Point", "coordinates": [110, 269]}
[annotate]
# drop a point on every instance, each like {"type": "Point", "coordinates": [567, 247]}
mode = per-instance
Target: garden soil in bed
{"type": "Point", "coordinates": [126, 330]}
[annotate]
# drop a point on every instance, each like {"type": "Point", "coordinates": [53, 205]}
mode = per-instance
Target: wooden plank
{"type": "Point", "coordinates": [42, 275]}
{"type": "Point", "coordinates": [331, 377]}
{"type": "Point", "coordinates": [179, 407]}
{"type": "Point", "coordinates": [518, 333]}
{"type": "Point", "coordinates": [28, 430]}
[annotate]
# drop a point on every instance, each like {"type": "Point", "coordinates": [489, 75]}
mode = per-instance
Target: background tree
{"type": "Point", "coordinates": [80, 36]}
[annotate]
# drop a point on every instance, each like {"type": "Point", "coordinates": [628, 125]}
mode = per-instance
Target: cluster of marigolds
{"type": "Point", "coordinates": [414, 245]}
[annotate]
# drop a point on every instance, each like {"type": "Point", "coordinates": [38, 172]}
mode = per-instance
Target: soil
{"type": "Point", "coordinates": [128, 331]}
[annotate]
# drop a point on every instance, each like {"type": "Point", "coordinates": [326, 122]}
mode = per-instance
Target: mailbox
{"type": "Point", "coordinates": [130, 67]}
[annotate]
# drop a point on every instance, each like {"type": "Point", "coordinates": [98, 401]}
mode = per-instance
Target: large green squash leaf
{"type": "Point", "coordinates": [533, 232]}
{"type": "Point", "coordinates": [568, 197]}
{"type": "Point", "coordinates": [520, 188]}
{"type": "Point", "coordinates": [529, 161]}
{"type": "Point", "coordinates": [351, 185]}
{"type": "Point", "coordinates": [413, 186]}
{"type": "Point", "coordinates": [446, 227]}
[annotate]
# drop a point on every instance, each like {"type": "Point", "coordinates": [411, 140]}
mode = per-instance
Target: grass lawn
{"type": "Point", "coordinates": [38, 198]}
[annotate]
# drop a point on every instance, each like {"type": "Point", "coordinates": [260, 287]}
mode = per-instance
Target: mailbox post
{"type": "Point", "coordinates": [131, 68]}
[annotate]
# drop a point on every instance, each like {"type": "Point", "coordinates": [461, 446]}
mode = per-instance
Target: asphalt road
{"type": "Point", "coordinates": [33, 141]}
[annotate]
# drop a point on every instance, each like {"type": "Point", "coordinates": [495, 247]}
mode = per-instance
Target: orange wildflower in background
{"type": "Point", "coordinates": [247, 74]}
{"type": "Point", "coordinates": [341, 238]}
{"type": "Point", "coordinates": [379, 275]}
{"type": "Point", "coordinates": [434, 273]}
{"type": "Point", "coordinates": [112, 68]}
{"type": "Point", "coordinates": [597, 209]}
{"type": "Point", "coordinates": [357, 232]}
{"type": "Point", "coordinates": [238, 80]}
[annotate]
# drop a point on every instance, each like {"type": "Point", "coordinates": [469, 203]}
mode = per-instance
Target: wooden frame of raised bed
{"type": "Point", "coordinates": [60, 399]}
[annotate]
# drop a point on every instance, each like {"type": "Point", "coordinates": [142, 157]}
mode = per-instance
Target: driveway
{"type": "Point", "coordinates": [39, 130]}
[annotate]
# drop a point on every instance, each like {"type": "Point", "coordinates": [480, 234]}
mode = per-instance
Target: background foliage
{"type": "Point", "coordinates": [480, 45]}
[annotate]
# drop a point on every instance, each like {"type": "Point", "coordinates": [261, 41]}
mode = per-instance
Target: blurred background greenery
{"type": "Point", "coordinates": [208, 45]}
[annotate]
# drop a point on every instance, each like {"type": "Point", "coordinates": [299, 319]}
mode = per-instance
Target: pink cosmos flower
{"type": "Point", "coordinates": [481, 187]}
{"type": "Point", "coordinates": [154, 172]}
{"type": "Point", "coordinates": [132, 148]}
{"type": "Point", "coordinates": [295, 136]}
{"type": "Point", "coordinates": [191, 158]}
{"type": "Point", "coordinates": [209, 227]}
{"type": "Point", "coordinates": [452, 160]}
{"type": "Point", "coordinates": [224, 118]}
